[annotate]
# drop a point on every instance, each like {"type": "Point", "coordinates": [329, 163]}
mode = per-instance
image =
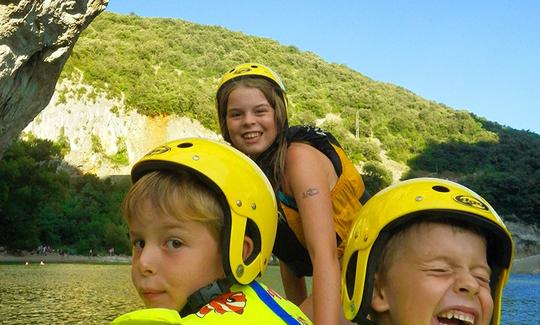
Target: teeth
{"type": "Point", "coordinates": [251, 135]}
{"type": "Point", "coordinates": [464, 317]}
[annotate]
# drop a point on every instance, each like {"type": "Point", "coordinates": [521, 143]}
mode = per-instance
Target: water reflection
{"type": "Point", "coordinates": [521, 300]}
{"type": "Point", "coordinates": [65, 293]}
{"type": "Point", "coordinates": [96, 294]}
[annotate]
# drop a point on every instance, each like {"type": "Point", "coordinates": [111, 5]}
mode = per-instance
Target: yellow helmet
{"type": "Point", "coordinates": [149, 316]}
{"type": "Point", "coordinates": [402, 203]}
{"type": "Point", "coordinates": [252, 70]}
{"type": "Point", "coordinates": [247, 197]}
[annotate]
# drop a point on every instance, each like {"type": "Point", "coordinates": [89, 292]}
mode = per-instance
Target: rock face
{"type": "Point", "coordinates": [36, 38]}
{"type": "Point", "coordinates": [526, 239]}
{"type": "Point", "coordinates": [102, 137]}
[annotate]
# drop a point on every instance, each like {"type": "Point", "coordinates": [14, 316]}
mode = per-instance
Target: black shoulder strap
{"type": "Point", "coordinates": [319, 139]}
{"type": "Point", "coordinates": [204, 295]}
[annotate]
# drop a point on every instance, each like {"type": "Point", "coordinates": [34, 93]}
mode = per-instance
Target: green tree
{"type": "Point", "coordinates": [376, 177]}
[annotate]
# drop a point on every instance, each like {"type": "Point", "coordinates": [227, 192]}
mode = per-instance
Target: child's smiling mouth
{"type": "Point", "coordinates": [454, 317]}
{"type": "Point", "coordinates": [251, 135]}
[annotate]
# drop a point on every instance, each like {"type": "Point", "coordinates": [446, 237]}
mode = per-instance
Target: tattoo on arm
{"type": "Point", "coordinates": [310, 192]}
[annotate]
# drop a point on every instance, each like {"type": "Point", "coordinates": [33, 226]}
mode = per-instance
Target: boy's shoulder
{"type": "Point", "coordinates": [244, 304]}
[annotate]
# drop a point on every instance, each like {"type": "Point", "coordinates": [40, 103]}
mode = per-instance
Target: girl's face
{"type": "Point", "coordinates": [250, 120]}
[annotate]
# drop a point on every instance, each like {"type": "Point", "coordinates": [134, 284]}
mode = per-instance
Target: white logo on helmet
{"type": "Point", "coordinates": [158, 150]}
{"type": "Point", "coordinates": [471, 201]}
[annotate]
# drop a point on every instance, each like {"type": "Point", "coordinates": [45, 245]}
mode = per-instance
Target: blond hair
{"type": "Point", "coordinates": [397, 239]}
{"type": "Point", "coordinates": [180, 194]}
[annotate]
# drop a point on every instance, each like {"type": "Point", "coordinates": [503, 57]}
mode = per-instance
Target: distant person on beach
{"type": "Point", "coordinates": [202, 221]}
{"type": "Point", "coordinates": [426, 251]}
{"type": "Point", "coordinates": [320, 191]}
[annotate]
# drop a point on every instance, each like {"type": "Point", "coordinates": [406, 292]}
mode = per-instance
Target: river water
{"type": "Point", "coordinates": [96, 294]}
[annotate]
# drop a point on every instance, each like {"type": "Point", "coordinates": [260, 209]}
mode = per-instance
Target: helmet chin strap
{"type": "Point", "coordinates": [204, 295]}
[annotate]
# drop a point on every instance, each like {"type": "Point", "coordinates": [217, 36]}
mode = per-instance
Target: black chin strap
{"type": "Point", "coordinates": [204, 295]}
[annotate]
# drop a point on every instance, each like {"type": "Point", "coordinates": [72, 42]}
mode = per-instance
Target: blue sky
{"type": "Point", "coordinates": [482, 56]}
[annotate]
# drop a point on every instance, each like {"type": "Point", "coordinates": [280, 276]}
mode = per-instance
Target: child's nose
{"type": "Point", "coordinates": [148, 261]}
{"type": "Point", "coordinates": [249, 118]}
{"type": "Point", "coordinates": [466, 283]}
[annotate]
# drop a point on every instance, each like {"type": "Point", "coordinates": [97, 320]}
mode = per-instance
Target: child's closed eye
{"type": "Point", "coordinates": [484, 279]}
{"type": "Point", "coordinates": [438, 270]}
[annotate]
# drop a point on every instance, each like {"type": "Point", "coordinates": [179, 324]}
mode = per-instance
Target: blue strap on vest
{"type": "Point", "coordinates": [272, 304]}
{"type": "Point", "coordinates": [287, 200]}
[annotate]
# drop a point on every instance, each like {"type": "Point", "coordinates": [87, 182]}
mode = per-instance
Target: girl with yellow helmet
{"type": "Point", "coordinates": [201, 236]}
{"type": "Point", "coordinates": [426, 251]}
{"type": "Point", "coordinates": [318, 187]}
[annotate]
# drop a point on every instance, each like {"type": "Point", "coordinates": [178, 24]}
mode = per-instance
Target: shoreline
{"type": "Point", "coordinates": [57, 258]}
{"type": "Point", "coordinates": [523, 265]}
{"type": "Point", "coordinates": [526, 265]}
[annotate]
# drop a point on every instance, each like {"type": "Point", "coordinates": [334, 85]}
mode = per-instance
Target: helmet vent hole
{"type": "Point", "coordinates": [185, 145]}
{"type": "Point", "coordinates": [252, 231]}
{"type": "Point", "coordinates": [442, 189]}
{"type": "Point", "coordinates": [350, 276]}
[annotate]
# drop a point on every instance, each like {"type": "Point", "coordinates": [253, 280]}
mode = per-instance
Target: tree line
{"type": "Point", "coordinates": [43, 202]}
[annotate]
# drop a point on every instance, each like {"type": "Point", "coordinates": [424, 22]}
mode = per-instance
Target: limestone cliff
{"type": "Point", "coordinates": [36, 38]}
{"type": "Point", "coordinates": [102, 138]}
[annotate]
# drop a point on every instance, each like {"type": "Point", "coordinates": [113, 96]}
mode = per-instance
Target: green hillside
{"type": "Point", "coordinates": [169, 66]}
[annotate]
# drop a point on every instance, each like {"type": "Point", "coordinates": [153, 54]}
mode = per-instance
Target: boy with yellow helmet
{"type": "Point", "coordinates": [426, 251]}
{"type": "Point", "coordinates": [202, 221]}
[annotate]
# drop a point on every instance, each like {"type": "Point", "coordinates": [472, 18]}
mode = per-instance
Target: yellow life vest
{"type": "Point", "coordinates": [243, 304]}
{"type": "Point", "coordinates": [346, 197]}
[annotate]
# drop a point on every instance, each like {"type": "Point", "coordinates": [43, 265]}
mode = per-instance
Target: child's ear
{"type": "Point", "coordinates": [248, 247]}
{"type": "Point", "coordinates": [379, 302]}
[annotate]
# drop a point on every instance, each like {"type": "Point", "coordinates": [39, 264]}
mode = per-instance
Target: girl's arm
{"type": "Point", "coordinates": [295, 287]}
{"type": "Point", "coordinates": [309, 175]}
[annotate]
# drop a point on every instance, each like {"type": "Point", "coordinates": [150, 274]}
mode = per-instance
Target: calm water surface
{"type": "Point", "coordinates": [96, 294]}
{"type": "Point", "coordinates": [65, 293]}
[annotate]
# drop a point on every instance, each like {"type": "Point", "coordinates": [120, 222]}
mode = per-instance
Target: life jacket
{"type": "Point", "coordinates": [243, 304]}
{"type": "Point", "coordinates": [348, 196]}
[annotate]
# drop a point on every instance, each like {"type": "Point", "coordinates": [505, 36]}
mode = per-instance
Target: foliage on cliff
{"type": "Point", "coordinates": [506, 173]}
{"type": "Point", "coordinates": [170, 66]}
